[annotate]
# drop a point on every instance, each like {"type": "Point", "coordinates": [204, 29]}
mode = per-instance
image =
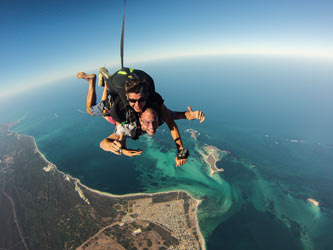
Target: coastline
{"type": "Point", "coordinates": [211, 156]}
{"type": "Point", "coordinates": [78, 185]}
{"type": "Point", "coordinates": [201, 238]}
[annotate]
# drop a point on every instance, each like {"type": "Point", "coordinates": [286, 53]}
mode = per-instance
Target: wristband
{"type": "Point", "coordinates": [182, 153]}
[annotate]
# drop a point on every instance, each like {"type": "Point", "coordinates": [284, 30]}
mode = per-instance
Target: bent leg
{"type": "Point", "coordinates": [105, 93]}
{"type": "Point", "coordinates": [91, 96]}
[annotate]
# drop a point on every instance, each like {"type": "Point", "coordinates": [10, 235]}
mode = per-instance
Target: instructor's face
{"type": "Point", "coordinates": [137, 101]}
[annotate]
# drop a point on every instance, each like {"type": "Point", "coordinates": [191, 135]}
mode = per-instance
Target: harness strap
{"type": "Point", "coordinates": [121, 72]}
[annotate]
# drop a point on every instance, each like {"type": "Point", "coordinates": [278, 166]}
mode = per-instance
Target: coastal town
{"type": "Point", "coordinates": [174, 218]}
{"type": "Point", "coordinates": [165, 223]}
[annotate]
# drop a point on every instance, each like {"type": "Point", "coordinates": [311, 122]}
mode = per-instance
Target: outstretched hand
{"type": "Point", "coordinates": [198, 114]}
{"type": "Point", "coordinates": [180, 162]}
{"type": "Point", "coordinates": [131, 152]}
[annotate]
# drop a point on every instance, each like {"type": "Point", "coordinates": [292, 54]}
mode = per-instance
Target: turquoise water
{"type": "Point", "coordinates": [272, 115]}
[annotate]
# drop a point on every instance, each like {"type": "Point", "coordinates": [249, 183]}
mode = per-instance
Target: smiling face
{"type": "Point", "coordinates": [137, 101]}
{"type": "Point", "coordinates": [149, 121]}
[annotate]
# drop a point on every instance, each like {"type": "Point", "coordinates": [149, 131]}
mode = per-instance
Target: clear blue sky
{"type": "Point", "coordinates": [46, 40]}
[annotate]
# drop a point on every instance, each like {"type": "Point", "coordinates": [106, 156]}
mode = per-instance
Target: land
{"type": "Point", "coordinates": [313, 201]}
{"type": "Point", "coordinates": [296, 141]}
{"type": "Point", "coordinates": [44, 208]}
{"type": "Point", "coordinates": [194, 133]}
{"type": "Point", "coordinates": [211, 156]}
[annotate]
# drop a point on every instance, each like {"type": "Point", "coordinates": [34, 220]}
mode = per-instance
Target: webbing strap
{"type": "Point", "coordinates": [122, 38]}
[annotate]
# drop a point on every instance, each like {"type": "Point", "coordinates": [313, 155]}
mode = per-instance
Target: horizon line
{"type": "Point", "coordinates": [275, 53]}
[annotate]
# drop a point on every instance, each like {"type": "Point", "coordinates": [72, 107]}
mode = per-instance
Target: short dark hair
{"type": "Point", "coordinates": [136, 86]}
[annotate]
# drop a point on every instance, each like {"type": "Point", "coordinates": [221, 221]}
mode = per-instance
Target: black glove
{"type": "Point", "coordinates": [182, 153]}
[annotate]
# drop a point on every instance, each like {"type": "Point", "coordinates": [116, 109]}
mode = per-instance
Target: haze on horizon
{"type": "Point", "coordinates": [44, 41]}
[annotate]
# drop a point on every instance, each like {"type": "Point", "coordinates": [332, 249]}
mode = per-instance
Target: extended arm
{"type": "Point", "coordinates": [174, 132]}
{"type": "Point", "coordinates": [189, 115]}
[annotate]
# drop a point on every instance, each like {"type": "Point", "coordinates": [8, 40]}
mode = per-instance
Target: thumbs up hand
{"type": "Point", "coordinates": [191, 115]}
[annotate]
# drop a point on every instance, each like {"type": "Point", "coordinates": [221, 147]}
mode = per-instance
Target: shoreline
{"type": "Point", "coordinates": [201, 238]}
{"type": "Point", "coordinates": [213, 168]}
{"type": "Point", "coordinates": [211, 156]}
{"type": "Point", "coordinates": [52, 167]}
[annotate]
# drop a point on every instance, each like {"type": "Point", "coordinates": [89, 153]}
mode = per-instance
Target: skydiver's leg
{"type": "Point", "coordinates": [91, 96]}
{"type": "Point", "coordinates": [105, 93]}
{"type": "Point", "coordinates": [104, 98]}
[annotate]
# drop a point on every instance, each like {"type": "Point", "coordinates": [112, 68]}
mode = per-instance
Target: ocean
{"type": "Point", "coordinates": [272, 115]}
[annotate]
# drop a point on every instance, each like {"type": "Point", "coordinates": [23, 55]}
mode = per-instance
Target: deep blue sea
{"type": "Point", "coordinates": [273, 116]}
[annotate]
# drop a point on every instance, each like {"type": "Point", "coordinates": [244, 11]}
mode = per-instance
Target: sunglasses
{"type": "Point", "coordinates": [142, 99]}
